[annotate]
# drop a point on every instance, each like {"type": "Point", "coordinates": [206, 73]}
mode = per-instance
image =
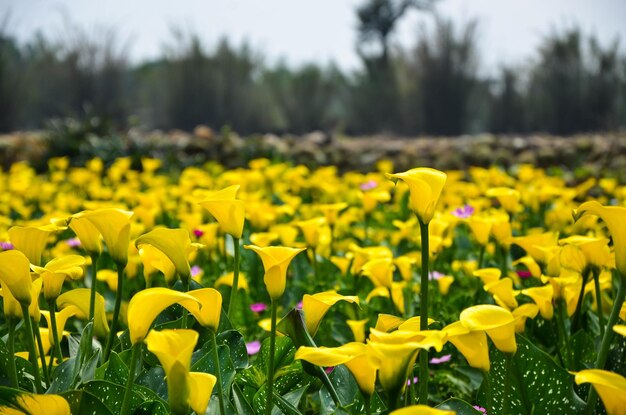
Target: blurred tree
{"type": "Point", "coordinates": [507, 106]}
{"type": "Point", "coordinates": [11, 65]}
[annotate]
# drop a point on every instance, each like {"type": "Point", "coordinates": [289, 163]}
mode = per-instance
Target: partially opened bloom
{"type": "Point", "coordinates": [209, 307]}
{"type": "Point", "coordinates": [31, 240]}
{"type": "Point", "coordinates": [61, 318]}
{"type": "Point", "coordinates": [315, 307]}
{"type": "Point", "coordinates": [503, 293]}
{"type": "Point", "coordinates": [610, 386]}
{"type": "Point", "coordinates": [472, 345]}
{"type": "Point", "coordinates": [155, 260]}
{"type": "Point", "coordinates": [15, 275]}
{"type": "Point", "coordinates": [420, 410]}
{"type": "Point", "coordinates": [175, 244]}
{"type": "Point", "coordinates": [497, 322]}
{"type": "Point", "coordinates": [32, 404]}
{"type": "Point", "coordinates": [147, 304]}
{"type": "Point", "coordinates": [353, 355]}
{"type": "Point", "coordinates": [276, 260]}
{"type": "Point", "coordinates": [523, 312]}
{"type": "Point", "coordinates": [227, 210]}
{"type": "Point", "coordinates": [395, 361]}
{"type": "Point", "coordinates": [425, 186]}
{"type": "Point", "coordinates": [543, 297]}
{"type": "Point", "coordinates": [56, 271]}
{"type": "Point", "coordinates": [79, 298]}
{"type": "Point", "coordinates": [186, 389]}
{"type": "Point", "coordinates": [614, 217]}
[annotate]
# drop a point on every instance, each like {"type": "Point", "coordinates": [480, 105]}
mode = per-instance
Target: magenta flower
{"type": "Point", "coordinates": [73, 242]}
{"type": "Point", "coordinates": [329, 370]}
{"type": "Point", "coordinates": [195, 271]}
{"type": "Point", "coordinates": [258, 307]}
{"type": "Point", "coordinates": [369, 185]}
{"type": "Point", "coordinates": [198, 233]}
{"type": "Point", "coordinates": [463, 212]}
{"type": "Point", "coordinates": [6, 246]}
{"type": "Point", "coordinates": [524, 274]}
{"type": "Point", "coordinates": [253, 347]}
{"type": "Point", "coordinates": [299, 305]}
{"type": "Point", "coordinates": [440, 360]}
{"type": "Point", "coordinates": [410, 382]}
{"type": "Point", "coordinates": [480, 409]}
{"type": "Point", "coordinates": [435, 275]}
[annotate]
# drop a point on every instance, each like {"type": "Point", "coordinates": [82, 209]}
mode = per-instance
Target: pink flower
{"type": "Point", "coordinates": [463, 212]}
{"type": "Point", "coordinates": [73, 242]}
{"type": "Point", "coordinates": [414, 381]}
{"type": "Point", "coordinates": [329, 370]}
{"type": "Point", "coordinates": [6, 246]}
{"type": "Point", "coordinates": [435, 275]}
{"type": "Point", "coordinates": [440, 360]}
{"type": "Point", "coordinates": [195, 270]}
{"type": "Point", "coordinates": [369, 185]}
{"type": "Point", "coordinates": [524, 274]}
{"type": "Point", "coordinates": [253, 347]}
{"type": "Point", "coordinates": [481, 409]}
{"type": "Point", "coordinates": [198, 233]}
{"type": "Point", "coordinates": [258, 307]}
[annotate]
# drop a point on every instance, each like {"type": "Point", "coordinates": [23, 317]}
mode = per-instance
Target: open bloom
{"type": "Point", "coordinates": [15, 275]}
{"type": "Point", "coordinates": [18, 402]}
{"type": "Point", "coordinates": [31, 240]}
{"type": "Point", "coordinates": [425, 186]}
{"type": "Point", "coordinates": [79, 298]}
{"type": "Point", "coordinates": [610, 386]}
{"type": "Point", "coordinates": [185, 389]}
{"type": "Point", "coordinates": [227, 210]}
{"type": "Point", "coordinates": [276, 260]}
{"type": "Point", "coordinates": [56, 271]}
{"type": "Point", "coordinates": [472, 345]}
{"type": "Point", "coordinates": [174, 244]}
{"type": "Point", "coordinates": [317, 305]}
{"type": "Point", "coordinates": [497, 322]}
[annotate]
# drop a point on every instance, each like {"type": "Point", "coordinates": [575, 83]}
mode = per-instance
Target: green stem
{"type": "Point", "coordinates": [186, 281]}
{"type": "Point", "coordinates": [562, 332]}
{"type": "Point", "coordinates": [92, 294]}
{"type": "Point", "coordinates": [42, 354]}
{"type": "Point", "coordinates": [116, 310]}
{"type": "Point", "coordinates": [368, 403]}
{"type": "Point", "coordinates": [423, 372]}
{"type": "Point", "coordinates": [11, 347]}
{"type": "Point", "coordinates": [131, 379]}
{"type": "Point", "coordinates": [270, 368]}
{"type": "Point", "coordinates": [235, 288]}
{"type": "Point", "coordinates": [218, 374]}
{"type": "Point", "coordinates": [596, 282]}
{"type": "Point", "coordinates": [606, 339]}
{"type": "Point", "coordinates": [505, 261]}
{"type": "Point", "coordinates": [481, 256]}
{"type": "Point", "coordinates": [489, 395]}
{"type": "Point", "coordinates": [55, 334]}
{"type": "Point", "coordinates": [579, 303]}
{"type": "Point", "coordinates": [32, 354]}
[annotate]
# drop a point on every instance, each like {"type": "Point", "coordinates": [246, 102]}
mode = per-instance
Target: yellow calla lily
{"type": "Point", "coordinates": [480, 225]}
{"type": "Point", "coordinates": [15, 275]}
{"type": "Point", "coordinates": [472, 345]}
{"type": "Point", "coordinates": [56, 271]}
{"type": "Point", "coordinates": [522, 313]}
{"type": "Point", "coordinates": [61, 318]}
{"type": "Point", "coordinates": [503, 293]}
{"type": "Point", "coordinates": [317, 305]}
{"type": "Point", "coordinates": [507, 197]}
{"type": "Point", "coordinates": [530, 264]}
{"type": "Point", "coordinates": [535, 245]}
{"type": "Point", "coordinates": [175, 244]}
{"type": "Point", "coordinates": [10, 306]}
{"type": "Point", "coordinates": [353, 355]}
{"type": "Point", "coordinates": [388, 322]}
{"type": "Point", "coordinates": [620, 329]}
{"type": "Point", "coordinates": [209, 307]}
{"type": "Point", "coordinates": [358, 329]}
{"type": "Point", "coordinates": [542, 296]}
{"type": "Point", "coordinates": [173, 348]}
{"type": "Point", "coordinates": [614, 217]}
{"type": "Point", "coordinates": [488, 275]}
{"type": "Point", "coordinates": [87, 233]}
{"type": "Point", "coordinates": [227, 210]}
{"type": "Point", "coordinates": [420, 410]}
{"type": "Point", "coordinates": [155, 260]}
{"type": "Point", "coordinates": [79, 298]}
{"type": "Point", "coordinates": [497, 322]}
{"type": "Point", "coordinates": [425, 186]}
{"type": "Point", "coordinates": [379, 271]}
{"type": "Point", "coordinates": [596, 250]}
{"type": "Point", "coordinates": [31, 240]}
{"type": "Point", "coordinates": [276, 260]}
{"type": "Point", "coordinates": [394, 362]}
{"type": "Point", "coordinates": [311, 230]}
{"type": "Point", "coordinates": [32, 404]}
{"type": "Point", "coordinates": [114, 226]}
{"type": "Point", "coordinates": [610, 386]}
{"type": "Point", "coordinates": [227, 279]}
{"type": "Point", "coordinates": [147, 304]}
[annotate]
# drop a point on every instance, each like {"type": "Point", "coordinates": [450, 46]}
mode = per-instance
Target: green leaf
{"type": "Point", "coordinates": [206, 364]}
{"type": "Point", "coordinates": [116, 371]}
{"type": "Point", "coordinates": [282, 385]}
{"type": "Point", "coordinates": [459, 406]}
{"type": "Point", "coordinates": [288, 403]}
{"type": "Point", "coordinates": [82, 402]}
{"type": "Point", "coordinates": [152, 408]}
{"type": "Point", "coordinates": [237, 345]}
{"type": "Point", "coordinates": [345, 385]}
{"type": "Point", "coordinates": [113, 394]}
{"type": "Point", "coordinates": [241, 403]}
{"type": "Point", "coordinates": [283, 354]}
{"type": "Point", "coordinates": [63, 377]}
{"type": "Point", "coordinates": [154, 379]}
{"type": "Point", "coordinates": [537, 384]}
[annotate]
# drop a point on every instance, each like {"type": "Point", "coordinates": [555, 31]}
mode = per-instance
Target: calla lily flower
{"type": "Point", "coordinates": [472, 345]}
{"type": "Point", "coordinates": [420, 410]}
{"type": "Point", "coordinates": [311, 230]}
{"type": "Point", "coordinates": [147, 304]}
{"type": "Point", "coordinates": [32, 404]}
{"type": "Point", "coordinates": [227, 210]}
{"type": "Point", "coordinates": [503, 293]}
{"type": "Point", "coordinates": [227, 279]}
{"type": "Point", "coordinates": [596, 250]}
{"type": "Point", "coordinates": [535, 244]}
{"type": "Point", "coordinates": [423, 339]}
{"type": "Point", "coordinates": [61, 318]}
{"type": "Point", "coordinates": [155, 260]}
{"type": "Point", "coordinates": [488, 275]}
{"type": "Point", "coordinates": [10, 306]}
{"type": "Point", "coordinates": [480, 225]}
{"type": "Point", "coordinates": [175, 244]}
{"type": "Point", "coordinates": [79, 298]}
{"type": "Point", "coordinates": [394, 362]}
{"type": "Point", "coordinates": [276, 260]}
{"type": "Point", "coordinates": [522, 313]}
{"type": "Point", "coordinates": [542, 296]}
{"type": "Point", "coordinates": [15, 275]}
{"type": "Point", "coordinates": [331, 211]}
{"type": "Point", "coordinates": [388, 322]}
{"type": "Point", "coordinates": [358, 329]}
{"type": "Point", "coordinates": [317, 305]}
{"type": "Point", "coordinates": [425, 186]}
{"type": "Point", "coordinates": [56, 271]}
{"type": "Point", "coordinates": [379, 271]}
{"type": "Point", "coordinates": [209, 307]}
{"type": "Point", "coordinates": [353, 355]}
{"type": "Point", "coordinates": [614, 217]}
{"type": "Point", "coordinates": [530, 264]}
{"type": "Point", "coordinates": [497, 322]}
{"type": "Point", "coordinates": [31, 240]}
{"type": "Point", "coordinates": [114, 226]}
{"type": "Point", "coordinates": [610, 386]}
{"type": "Point", "coordinates": [620, 329]}
{"type": "Point", "coordinates": [397, 294]}
{"type": "Point", "coordinates": [87, 233]}
{"type": "Point", "coordinates": [173, 348]}
{"type": "Point", "coordinates": [507, 197]}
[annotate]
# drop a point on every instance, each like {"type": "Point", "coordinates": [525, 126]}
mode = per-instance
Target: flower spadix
{"type": "Point", "coordinates": [276, 260]}
{"type": "Point", "coordinates": [425, 186]}
{"type": "Point", "coordinates": [175, 244]}
{"type": "Point", "coordinates": [353, 355]}
{"type": "Point", "coordinates": [146, 305]}
{"type": "Point", "coordinates": [317, 305]}
{"type": "Point", "coordinates": [227, 210]}
{"type": "Point", "coordinates": [610, 386]}
{"type": "Point", "coordinates": [186, 389]}
{"type": "Point", "coordinates": [56, 271]}
{"type": "Point", "coordinates": [614, 217]}
{"type": "Point", "coordinates": [15, 275]}
{"type": "Point", "coordinates": [497, 322]}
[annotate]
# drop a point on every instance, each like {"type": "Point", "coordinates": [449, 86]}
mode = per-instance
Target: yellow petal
{"type": "Point", "coordinates": [79, 298]}
{"type": "Point", "coordinates": [394, 361]}
{"type": "Point", "coordinates": [620, 329]}
{"type": "Point", "coordinates": [10, 305]}
{"type": "Point", "coordinates": [171, 346]}
{"type": "Point", "coordinates": [317, 305]}
{"type": "Point", "coordinates": [61, 318]}
{"type": "Point", "coordinates": [200, 389]}
{"type": "Point", "coordinates": [276, 260]}
{"type": "Point", "coordinates": [155, 260]}
{"type": "Point", "coordinates": [379, 271]}
{"type": "Point", "coordinates": [472, 345]}
{"type": "Point", "coordinates": [174, 243]}
{"type": "Point", "coordinates": [425, 186]}
{"type": "Point", "coordinates": [227, 279]}
{"type": "Point", "coordinates": [420, 410]}
{"type": "Point", "coordinates": [15, 275]}
{"type": "Point", "coordinates": [610, 386]}
{"type": "Point", "coordinates": [31, 240]}
{"type": "Point", "coordinates": [146, 305]}
{"type": "Point", "coordinates": [114, 226]}
{"type": "Point", "coordinates": [87, 233]}
{"type": "Point", "coordinates": [40, 405]}
{"type": "Point", "coordinates": [522, 313]}
{"type": "Point", "coordinates": [209, 307]}
{"type": "Point", "coordinates": [542, 296]}
{"type": "Point", "coordinates": [228, 211]}
{"type": "Point", "coordinates": [497, 322]}
{"type": "Point", "coordinates": [388, 322]}
{"type": "Point", "coordinates": [488, 275]}
{"type": "Point", "coordinates": [358, 329]}
{"type": "Point", "coordinates": [503, 290]}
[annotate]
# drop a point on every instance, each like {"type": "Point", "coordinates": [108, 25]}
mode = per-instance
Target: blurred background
{"type": "Point", "coordinates": [352, 67]}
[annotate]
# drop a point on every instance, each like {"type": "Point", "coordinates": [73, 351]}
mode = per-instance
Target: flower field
{"type": "Point", "coordinates": [283, 289]}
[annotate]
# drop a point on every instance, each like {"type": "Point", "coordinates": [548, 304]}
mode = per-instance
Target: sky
{"type": "Point", "coordinates": [320, 31]}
